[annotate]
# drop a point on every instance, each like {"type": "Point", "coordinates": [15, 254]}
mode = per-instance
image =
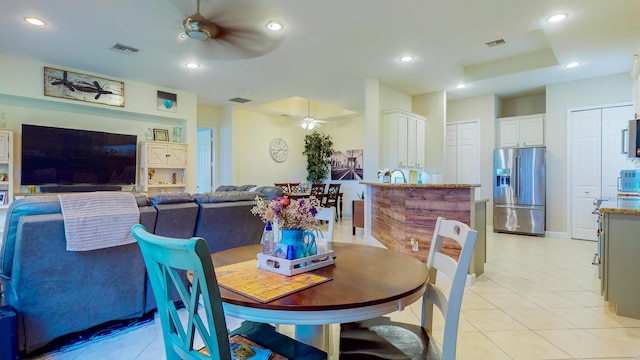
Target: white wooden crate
{"type": "Point", "coordinates": [288, 267]}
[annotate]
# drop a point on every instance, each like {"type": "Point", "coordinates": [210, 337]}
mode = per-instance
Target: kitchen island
{"type": "Point", "coordinates": [619, 254]}
{"type": "Point", "coordinates": [397, 213]}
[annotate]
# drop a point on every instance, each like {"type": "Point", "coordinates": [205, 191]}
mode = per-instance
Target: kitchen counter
{"type": "Point", "coordinates": [423, 186]}
{"type": "Point", "coordinates": [619, 264]}
{"type": "Point", "coordinates": [397, 213]}
{"type": "Point", "coordinates": [621, 205]}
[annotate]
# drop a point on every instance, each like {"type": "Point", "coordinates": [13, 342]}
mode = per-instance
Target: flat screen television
{"type": "Point", "coordinates": [61, 156]}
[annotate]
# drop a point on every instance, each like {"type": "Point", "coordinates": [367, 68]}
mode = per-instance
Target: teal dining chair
{"type": "Point", "coordinates": [165, 258]}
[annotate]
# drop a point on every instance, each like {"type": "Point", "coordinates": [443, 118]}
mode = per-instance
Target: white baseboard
{"type": "Point", "coordinates": [557, 234]}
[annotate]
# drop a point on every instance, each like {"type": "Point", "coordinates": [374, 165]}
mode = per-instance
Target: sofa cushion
{"type": "Point", "coordinates": [225, 196]}
{"type": "Point", "coordinates": [234, 188]}
{"type": "Point", "coordinates": [269, 192]}
{"type": "Point", "coordinates": [170, 198]}
{"type": "Point", "coordinates": [33, 205]}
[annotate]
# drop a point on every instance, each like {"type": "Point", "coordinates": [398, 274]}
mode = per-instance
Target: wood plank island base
{"type": "Point", "coordinates": [397, 213]}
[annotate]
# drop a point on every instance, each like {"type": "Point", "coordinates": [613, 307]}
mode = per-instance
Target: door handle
{"type": "Point", "coordinates": [622, 147]}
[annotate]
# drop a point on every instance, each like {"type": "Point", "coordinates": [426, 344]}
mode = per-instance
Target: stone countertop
{"type": "Point", "coordinates": [422, 186]}
{"type": "Point", "coordinates": [621, 205]}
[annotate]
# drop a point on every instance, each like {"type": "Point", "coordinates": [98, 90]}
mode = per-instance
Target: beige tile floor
{"type": "Point", "coordinates": [538, 299]}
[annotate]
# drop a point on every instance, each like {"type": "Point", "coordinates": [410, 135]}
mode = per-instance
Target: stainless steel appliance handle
{"type": "Point", "coordinates": [622, 147]}
{"type": "Point", "coordinates": [517, 176]}
{"type": "Point", "coordinates": [518, 207]}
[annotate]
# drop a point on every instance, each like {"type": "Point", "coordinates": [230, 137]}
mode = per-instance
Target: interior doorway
{"type": "Point", "coordinates": [206, 160]}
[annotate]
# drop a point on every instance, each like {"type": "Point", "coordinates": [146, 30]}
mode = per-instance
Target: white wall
{"type": "Point", "coordinates": [481, 108]}
{"type": "Point", "coordinates": [523, 105]}
{"type": "Point", "coordinates": [434, 107]}
{"type": "Point", "coordinates": [559, 99]}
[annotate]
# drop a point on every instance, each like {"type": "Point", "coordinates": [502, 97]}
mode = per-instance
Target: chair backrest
{"type": "Point", "coordinates": [284, 186]}
{"type": "Point", "coordinates": [332, 193]}
{"type": "Point", "coordinates": [165, 258]}
{"type": "Point", "coordinates": [448, 301]}
{"type": "Point", "coordinates": [295, 188]}
{"type": "Point", "coordinates": [317, 190]}
{"type": "Point", "coordinates": [326, 214]}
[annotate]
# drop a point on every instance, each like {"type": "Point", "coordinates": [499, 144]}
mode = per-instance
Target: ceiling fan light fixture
{"type": "Point", "coordinates": [274, 25]}
{"type": "Point", "coordinates": [34, 21]}
{"type": "Point", "coordinates": [311, 125]}
{"type": "Point", "coordinates": [197, 29]}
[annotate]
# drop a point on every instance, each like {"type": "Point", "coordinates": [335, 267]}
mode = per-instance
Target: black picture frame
{"type": "Point", "coordinates": [161, 135]}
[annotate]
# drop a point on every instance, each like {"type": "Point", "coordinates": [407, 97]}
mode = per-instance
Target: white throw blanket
{"type": "Point", "coordinates": [98, 220]}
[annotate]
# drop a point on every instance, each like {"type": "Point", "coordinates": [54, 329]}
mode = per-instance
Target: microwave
{"type": "Point", "coordinates": [633, 149]}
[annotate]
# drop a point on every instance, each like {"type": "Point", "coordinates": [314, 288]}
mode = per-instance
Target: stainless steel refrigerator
{"type": "Point", "coordinates": [519, 181]}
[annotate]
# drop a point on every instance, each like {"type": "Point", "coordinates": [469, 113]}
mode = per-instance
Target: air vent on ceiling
{"type": "Point", "coordinates": [495, 43]}
{"type": "Point", "coordinates": [240, 100]}
{"type": "Point", "coordinates": [124, 49]}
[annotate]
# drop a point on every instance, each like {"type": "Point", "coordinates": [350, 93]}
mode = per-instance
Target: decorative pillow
{"type": "Point", "coordinates": [170, 198]}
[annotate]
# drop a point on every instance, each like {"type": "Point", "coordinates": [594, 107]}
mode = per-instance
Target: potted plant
{"type": "Point", "coordinates": [318, 149]}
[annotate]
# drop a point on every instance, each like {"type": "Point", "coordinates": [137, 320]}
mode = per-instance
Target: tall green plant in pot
{"type": "Point", "coordinates": [318, 149]}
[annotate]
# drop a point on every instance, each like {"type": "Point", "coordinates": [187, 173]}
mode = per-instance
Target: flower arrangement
{"type": "Point", "coordinates": [290, 214]}
{"type": "Point", "coordinates": [151, 173]}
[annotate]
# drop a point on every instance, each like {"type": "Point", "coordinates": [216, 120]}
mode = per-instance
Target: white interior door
{"type": "Point", "coordinates": [614, 119]}
{"type": "Point", "coordinates": [468, 153]}
{"type": "Point", "coordinates": [585, 172]}
{"type": "Point", "coordinates": [450, 154]}
{"type": "Point", "coordinates": [205, 160]}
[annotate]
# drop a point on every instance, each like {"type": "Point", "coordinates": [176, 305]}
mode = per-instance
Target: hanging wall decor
{"type": "Point", "coordinates": [75, 86]}
{"type": "Point", "coordinates": [346, 165]}
{"type": "Point", "coordinates": [167, 101]}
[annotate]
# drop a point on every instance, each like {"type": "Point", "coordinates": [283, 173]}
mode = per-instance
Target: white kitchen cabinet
{"type": "Point", "coordinates": [163, 166]}
{"type": "Point", "coordinates": [521, 131]}
{"type": "Point", "coordinates": [403, 139]}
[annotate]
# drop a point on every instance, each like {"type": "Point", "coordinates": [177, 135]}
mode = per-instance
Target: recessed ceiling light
{"type": "Point", "coordinates": [406, 58]}
{"type": "Point", "coordinates": [274, 25]}
{"type": "Point", "coordinates": [34, 21]}
{"type": "Point", "coordinates": [192, 65]}
{"type": "Point", "coordinates": [556, 18]}
{"type": "Point", "coordinates": [461, 86]}
{"type": "Point", "coordinates": [183, 35]}
{"type": "Point", "coordinates": [572, 65]}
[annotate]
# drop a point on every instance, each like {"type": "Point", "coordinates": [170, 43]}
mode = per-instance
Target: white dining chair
{"type": "Point", "coordinates": [382, 338]}
{"type": "Point", "coordinates": [328, 215]}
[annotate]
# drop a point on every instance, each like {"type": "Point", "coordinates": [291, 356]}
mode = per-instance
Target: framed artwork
{"type": "Point", "coordinates": [75, 86]}
{"type": "Point", "coordinates": [167, 101]}
{"type": "Point", "coordinates": [161, 135]}
{"type": "Point", "coordinates": [347, 165]}
{"type": "Point", "coordinates": [3, 197]}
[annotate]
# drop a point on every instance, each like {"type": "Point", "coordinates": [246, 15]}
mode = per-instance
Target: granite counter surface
{"type": "Point", "coordinates": [621, 205]}
{"type": "Point", "coordinates": [422, 186]}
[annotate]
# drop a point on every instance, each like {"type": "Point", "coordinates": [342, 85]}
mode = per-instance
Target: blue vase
{"type": "Point", "coordinates": [302, 241]}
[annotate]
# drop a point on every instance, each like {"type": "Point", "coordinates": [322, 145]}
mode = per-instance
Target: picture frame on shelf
{"type": "Point", "coordinates": [161, 135]}
{"type": "Point", "coordinates": [3, 197]}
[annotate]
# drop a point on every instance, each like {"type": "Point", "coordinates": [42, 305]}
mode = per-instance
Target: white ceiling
{"type": "Point", "coordinates": [329, 47]}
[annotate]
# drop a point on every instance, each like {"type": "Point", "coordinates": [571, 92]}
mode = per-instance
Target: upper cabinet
{"type": "Point", "coordinates": [521, 131]}
{"type": "Point", "coordinates": [163, 166]}
{"type": "Point", "coordinates": [403, 136]}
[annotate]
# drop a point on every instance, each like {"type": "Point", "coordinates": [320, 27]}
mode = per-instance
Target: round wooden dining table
{"type": "Point", "coordinates": [366, 282]}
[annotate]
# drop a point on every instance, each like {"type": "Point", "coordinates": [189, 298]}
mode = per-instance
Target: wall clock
{"type": "Point", "coordinates": [278, 150]}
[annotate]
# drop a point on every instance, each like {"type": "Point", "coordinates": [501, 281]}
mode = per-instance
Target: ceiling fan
{"type": "Point", "coordinates": [233, 29]}
{"type": "Point", "coordinates": [308, 123]}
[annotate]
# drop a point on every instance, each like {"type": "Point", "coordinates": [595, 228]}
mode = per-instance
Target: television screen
{"type": "Point", "coordinates": [67, 157]}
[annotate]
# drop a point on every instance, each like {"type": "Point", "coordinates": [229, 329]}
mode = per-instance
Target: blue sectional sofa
{"type": "Point", "coordinates": [57, 292]}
